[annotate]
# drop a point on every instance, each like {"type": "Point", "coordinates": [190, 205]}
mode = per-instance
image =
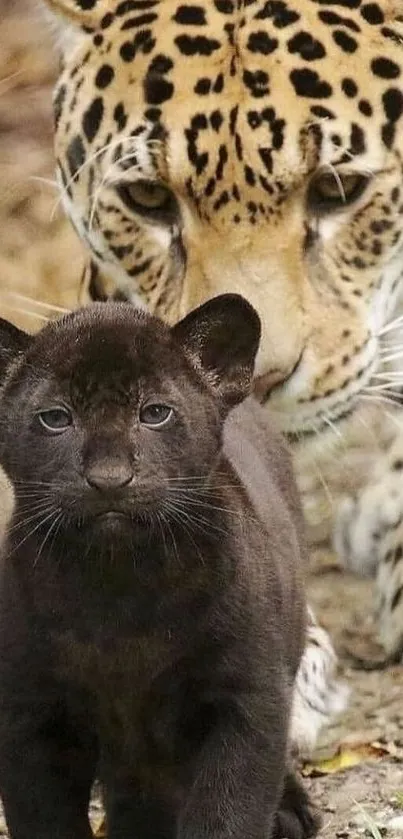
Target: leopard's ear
{"type": "Point", "coordinates": [70, 18]}
{"type": "Point", "coordinates": [83, 13]}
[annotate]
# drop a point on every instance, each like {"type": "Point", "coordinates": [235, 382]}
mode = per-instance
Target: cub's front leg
{"type": "Point", "coordinates": [239, 777]}
{"type": "Point", "coordinates": [237, 781]}
{"type": "Point", "coordinates": [138, 812]}
{"type": "Point", "coordinates": [47, 767]}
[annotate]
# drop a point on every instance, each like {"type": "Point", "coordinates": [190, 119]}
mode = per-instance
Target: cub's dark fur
{"type": "Point", "coordinates": [151, 608]}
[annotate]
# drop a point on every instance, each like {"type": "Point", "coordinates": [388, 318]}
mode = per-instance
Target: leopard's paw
{"type": "Point", "coordinates": [363, 522]}
{"type": "Point", "coordinates": [389, 593]}
{"type": "Point", "coordinates": [318, 695]}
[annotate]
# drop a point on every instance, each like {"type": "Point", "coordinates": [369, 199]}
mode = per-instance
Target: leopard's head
{"type": "Point", "coordinates": [253, 146]}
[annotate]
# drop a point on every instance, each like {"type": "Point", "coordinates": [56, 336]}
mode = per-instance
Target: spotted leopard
{"type": "Point", "coordinates": [253, 146]}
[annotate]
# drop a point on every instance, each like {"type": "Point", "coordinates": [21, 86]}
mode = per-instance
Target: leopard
{"type": "Point", "coordinates": [256, 147]}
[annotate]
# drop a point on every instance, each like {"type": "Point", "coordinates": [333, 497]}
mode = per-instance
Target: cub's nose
{"type": "Point", "coordinates": [109, 475]}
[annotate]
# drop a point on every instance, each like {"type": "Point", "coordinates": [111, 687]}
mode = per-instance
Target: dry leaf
{"type": "Point", "coordinates": [346, 757]}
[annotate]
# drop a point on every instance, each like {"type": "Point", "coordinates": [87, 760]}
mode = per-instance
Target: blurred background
{"type": "Point", "coordinates": [41, 260]}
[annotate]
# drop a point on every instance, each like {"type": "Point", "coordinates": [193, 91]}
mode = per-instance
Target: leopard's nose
{"type": "Point", "coordinates": [109, 475]}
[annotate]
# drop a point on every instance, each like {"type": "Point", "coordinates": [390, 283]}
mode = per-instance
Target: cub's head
{"type": "Point", "coordinates": [254, 147]}
{"type": "Point", "coordinates": [110, 419]}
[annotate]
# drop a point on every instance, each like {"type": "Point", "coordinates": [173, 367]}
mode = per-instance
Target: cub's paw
{"type": "Point", "coordinates": [318, 695]}
{"type": "Point", "coordinates": [296, 817]}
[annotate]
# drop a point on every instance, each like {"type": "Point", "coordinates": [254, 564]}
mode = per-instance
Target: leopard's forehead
{"type": "Point", "coordinates": [271, 88]}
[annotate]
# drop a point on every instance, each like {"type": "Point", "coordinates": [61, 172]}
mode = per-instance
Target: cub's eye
{"type": "Point", "coordinates": [155, 415]}
{"type": "Point", "coordinates": [331, 190]}
{"type": "Point", "coordinates": [55, 420]}
{"type": "Point", "coordinates": [149, 198]}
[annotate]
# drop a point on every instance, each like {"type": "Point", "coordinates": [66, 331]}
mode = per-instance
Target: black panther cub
{"type": "Point", "coordinates": [152, 613]}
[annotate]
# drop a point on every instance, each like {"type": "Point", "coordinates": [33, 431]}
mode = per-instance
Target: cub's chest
{"type": "Point", "coordinates": [131, 684]}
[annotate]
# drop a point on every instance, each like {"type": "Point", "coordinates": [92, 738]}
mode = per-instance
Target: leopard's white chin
{"type": "Point", "coordinates": [301, 412]}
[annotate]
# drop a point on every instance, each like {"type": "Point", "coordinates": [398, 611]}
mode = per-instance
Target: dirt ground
{"type": "Point", "coordinates": [40, 266]}
{"type": "Point", "coordinates": [366, 799]}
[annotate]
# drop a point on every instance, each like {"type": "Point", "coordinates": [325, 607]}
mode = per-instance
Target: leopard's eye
{"type": "Point", "coordinates": [149, 198]}
{"type": "Point", "coordinates": [149, 195]}
{"type": "Point", "coordinates": [330, 190]}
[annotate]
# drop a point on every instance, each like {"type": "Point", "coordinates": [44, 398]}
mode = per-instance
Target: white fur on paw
{"type": "Point", "coordinates": [369, 540]}
{"type": "Point", "coordinates": [361, 525]}
{"type": "Point", "coordinates": [389, 593]}
{"type": "Point", "coordinates": [318, 695]}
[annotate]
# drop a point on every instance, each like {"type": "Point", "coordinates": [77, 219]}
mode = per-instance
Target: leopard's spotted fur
{"type": "Point", "coordinates": [253, 146]}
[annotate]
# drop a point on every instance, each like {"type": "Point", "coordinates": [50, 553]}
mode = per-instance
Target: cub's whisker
{"type": "Point", "coordinates": [48, 533]}
{"type": "Point", "coordinates": [32, 531]}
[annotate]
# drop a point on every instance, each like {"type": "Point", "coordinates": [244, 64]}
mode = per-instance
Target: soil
{"type": "Point", "coordinates": [359, 800]}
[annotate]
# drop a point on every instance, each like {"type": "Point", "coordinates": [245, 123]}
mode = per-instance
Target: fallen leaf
{"type": "Point", "coordinates": [345, 758]}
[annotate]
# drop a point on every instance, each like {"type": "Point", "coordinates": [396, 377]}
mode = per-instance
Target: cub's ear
{"type": "Point", "coordinates": [13, 341]}
{"type": "Point", "coordinates": [221, 339]}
